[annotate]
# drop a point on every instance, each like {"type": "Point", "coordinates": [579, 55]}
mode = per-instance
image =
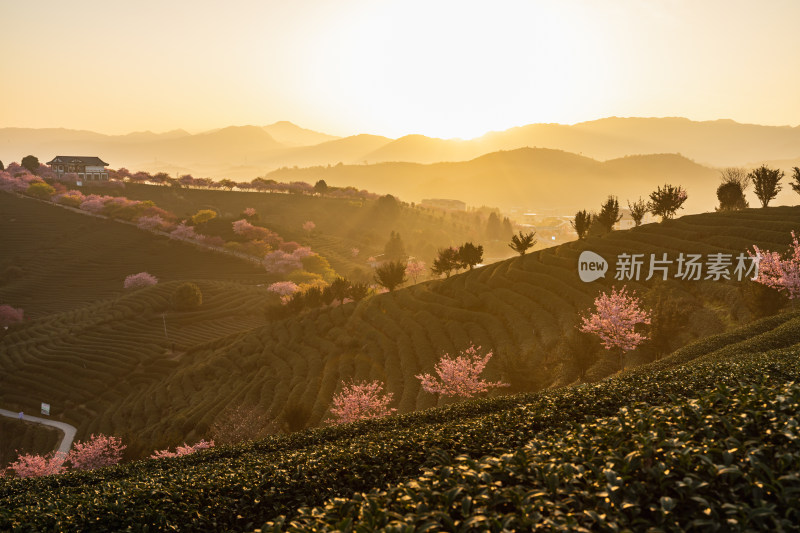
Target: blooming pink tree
{"type": "Point", "coordinates": [279, 262]}
{"type": "Point", "coordinates": [283, 288]}
{"type": "Point", "coordinates": [10, 315]}
{"type": "Point", "coordinates": [93, 203]}
{"type": "Point", "coordinates": [782, 274]}
{"type": "Point", "coordinates": [186, 449]}
{"type": "Point", "coordinates": [309, 226]}
{"type": "Point", "coordinates": [614, 320]}
{"type": "Point", "coordinates": [460, 375]}
{"type": "Point", "coordinates": [360, 401]}
{"type": "Point", "coordinates": [183, 232]}
{"type": "Point", "coordinates": [354, 252]}
{"type": "Point", "coordinates": [139, 281]}
{"type": "Point", "coordinates": [415, 268]}
{"type": "Point", "coordinates": [38, 465]}
{"type": "Point", "coordinates": [98, 451]}
{"type": "Point", "coordinates": [150, 222]}
{"type": "Point", "coordinates": [249, 212]}
{"type": "Point", "coordinates": [248, 231]}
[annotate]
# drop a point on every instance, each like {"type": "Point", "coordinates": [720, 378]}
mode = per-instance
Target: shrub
{"type": "Point", "coordinates": [187, 296]}
{"type": "Point", "coordinates": [40, 190]}
{"type": "Point", "coordinates": [186, 449]}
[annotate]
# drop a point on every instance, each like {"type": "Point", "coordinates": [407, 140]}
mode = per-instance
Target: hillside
{"type": "Point", "coordinates": [529, 177]}
{"type": "Point", "coordinates": [55, 260]}
{"type": "Point", "coordinates": [341, 224]}
{"type": "Point", "coordinates": [524, 309]}
{"type": "Point", "coordinates": [629, 451]}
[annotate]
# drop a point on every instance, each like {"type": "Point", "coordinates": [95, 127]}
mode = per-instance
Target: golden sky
{"type": "Point", "coordinates": [446, 69]}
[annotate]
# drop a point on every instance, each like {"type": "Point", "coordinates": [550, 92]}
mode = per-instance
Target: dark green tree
{"type": "Point", "coordinates": [731, 197]}
{"type": "Point", "coordinates": [638, 210]}
{"type": "Point", "coordinates": [340, 289]}
{"type": "Point", "coordinates": [2, 167]}
{"type": "Point", "coordinates": [321, 187]}
{"type": "Point", "coordinates": [187, 296]}
{"type": "Point", "coordinates": [664, 202]}
{"type": "Point", "coordinates": [795, 176]}
{"type": "Point", "coordinates": [508, 229]}
{"type": "Point", "coordinates": [395, 250]}
{"type": "Point", "coordinates": [609, 214]}
{"type": "Point", "coordinates": [30, 163]}
{"type": "Point", "coordinates": [391, 274]}
{"type": "Point", "coordinates": [446, 261]}
{"type": "Point", "coordinates": [358, 291]}
{"type": "Point", "coordinates": [522, 242]}
{"type": "Point", "coordinates": [582, 350]}
{"type": "Point", "coordinates": [470, 255]}
{"type": "Point", "coordinates": [766, 182]}
{"type": "Point", "coordinates": [494, 228]}
{"type": "Point", "coordinates": [582, 222]}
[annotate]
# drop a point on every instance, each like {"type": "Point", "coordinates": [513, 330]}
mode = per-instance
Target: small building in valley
{"type": "Point", "coordinates": [87, 168]}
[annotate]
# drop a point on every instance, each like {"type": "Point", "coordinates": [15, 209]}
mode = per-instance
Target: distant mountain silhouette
{"type": "Point", "coordinates": [527, 177]}
{"type": "Point", "coordinates": [244, 152]}
{"type": "Point", "coordinates": [290, 134]}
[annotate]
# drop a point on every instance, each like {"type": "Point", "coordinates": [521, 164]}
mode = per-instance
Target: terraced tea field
{"type": "Point", "coordinates": [529, 460]}
{"type": "Point", "coordinates": [64, 260]}
{"type": "Point", "coordinates": [86, 362]}
{"type": "Point", "coordinates": [522, 308]}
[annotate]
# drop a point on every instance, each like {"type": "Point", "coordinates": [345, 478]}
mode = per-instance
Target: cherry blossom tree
{"type": "Point", "coordinates": [38, 465]}
{"type": "Point", "coordinates": [249, 231]}
{"type": "Point", "coordinates": [183, 232]}
{"type": "Point", "coordinates": [150, 222]}
{"type": "Point", "coordinates": [283, 288]}
{"type": "Point", "coordinates": [186, 449]}
{"type": "Point", "coordinates": [614, 320]}
{"type": "Point", "coordinates": [361, 401]}
{"type": "Point", "coordinates": [782, 274]}
{"type": "Point", "coordinates": [10, 315]}
{"type": "Point", "coordinates": [354, 252]}
{"type": "Point", "coordinates": [460, 375]}
{"type": "Point", "coordinates": [93, 203]}
{"type": "Point", "coordinates": [249, 212]}
{"type": "Point", "coordinates": [98, 451]}
{"type": "Point", "coordinates": [279, 262]}
{"type": "Point", "coordinates": [414, 268]}
{"type": "Point", "coordinates": [308, 226]}
{"type": "Point", "coordinates": [139, 281]}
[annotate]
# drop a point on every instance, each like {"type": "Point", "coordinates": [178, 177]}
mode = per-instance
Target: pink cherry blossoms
{"type": "Point", "coordinates": [283, 288]}
{"type": "Point", "coordinates": [360, 401]}
{"type": "Point", "coordinates": [778, 273]}
{"type": "Point", "coordinates": [38, 465]}
{"type": "Point", "coordinates": [460, 375]}
{"type": "Point", "coordinates": [614, 319]}
{"type": "Point", "coordinates": [10, 315]}
{"type": "Point", "coordinates": [186, 449]}
{"type": "Point", "coordinates": [98, 451]}
{"type": "Point", "coordinates": [139, 281]}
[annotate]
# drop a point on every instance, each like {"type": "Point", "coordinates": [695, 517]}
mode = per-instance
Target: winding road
{"type": "Point", "coordinates": [68, 430]}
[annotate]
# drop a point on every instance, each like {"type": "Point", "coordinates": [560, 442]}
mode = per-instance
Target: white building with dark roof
{"type": "Point", "coordinates": [86, 168]}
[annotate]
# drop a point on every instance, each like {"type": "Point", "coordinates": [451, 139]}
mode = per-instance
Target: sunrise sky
{"type": "Point", "coordinates": [446, 69]}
